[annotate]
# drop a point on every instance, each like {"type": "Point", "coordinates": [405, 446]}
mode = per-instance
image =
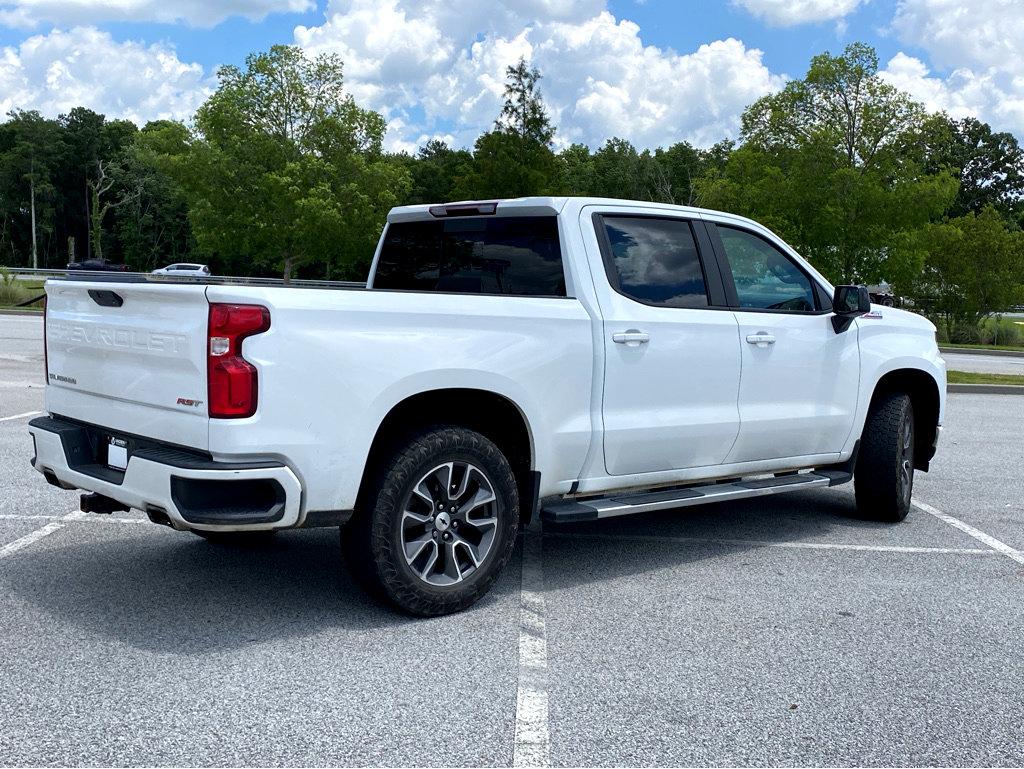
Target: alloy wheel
{"type": "Point", "coordinates": [449, 523]}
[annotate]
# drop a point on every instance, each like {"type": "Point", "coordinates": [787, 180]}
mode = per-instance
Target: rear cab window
{"type": "Point", "coordinates": [503, 255]}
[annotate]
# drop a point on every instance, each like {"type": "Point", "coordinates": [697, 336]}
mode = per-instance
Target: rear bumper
{"type": "Point", "coordinates": [192, 490]}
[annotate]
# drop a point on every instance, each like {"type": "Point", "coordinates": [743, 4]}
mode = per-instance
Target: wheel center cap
{"type": "Point", "coordinates": [442, 521]}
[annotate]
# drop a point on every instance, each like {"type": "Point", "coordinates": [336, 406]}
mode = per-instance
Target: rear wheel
{"type": "Point", "coordinates": [441, 526]}
{"type": "Point", "coordinates": [884, 476]}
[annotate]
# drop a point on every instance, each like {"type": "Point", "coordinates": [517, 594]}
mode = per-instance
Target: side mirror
{"type": "Point", "coordinates": [847, 303]}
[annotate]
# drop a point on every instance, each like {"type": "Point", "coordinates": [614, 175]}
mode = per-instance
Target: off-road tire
{"type": "Point", "coordinates": [372, 541]}
{"type": "Point", "coordinates": [882, 481]}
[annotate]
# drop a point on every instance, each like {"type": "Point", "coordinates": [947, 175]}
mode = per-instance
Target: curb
{"type": "Point", "coordinates": [986, 389]}
{"type": "Point", "coordinates": [982, 351]}
{"type": "Point", "coordinates": [32, 313]}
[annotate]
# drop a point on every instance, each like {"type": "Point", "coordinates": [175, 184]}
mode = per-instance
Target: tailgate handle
{"type": "Point", "coordinates": [106, 298]}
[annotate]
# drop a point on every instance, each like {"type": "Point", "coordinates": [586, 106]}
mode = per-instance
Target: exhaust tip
{"type": "Point", "coordinates": [159, 515]}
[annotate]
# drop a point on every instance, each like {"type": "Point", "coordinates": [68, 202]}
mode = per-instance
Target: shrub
{"type": "Point", "coordinates": [1002, 331]}
{"type": "Point", "coordinates": [11, 291]}
{"type": "Point", "coordinates": [993, 330]}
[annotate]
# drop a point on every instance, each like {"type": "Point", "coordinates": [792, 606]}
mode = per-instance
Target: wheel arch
{"type": "Point", "coordinates": [925, 398]}
{"type": "Point", "coordinates": [491, 414]}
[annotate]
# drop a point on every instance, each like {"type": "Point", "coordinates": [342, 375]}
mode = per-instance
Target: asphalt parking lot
{"type": "Point", "coordinates": [781, 631]}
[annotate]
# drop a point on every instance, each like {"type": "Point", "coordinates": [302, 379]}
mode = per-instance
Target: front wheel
{"type": "Point", "coordinates": [442, 524]}
{"type": "Point", "coordinates": [884, 476]}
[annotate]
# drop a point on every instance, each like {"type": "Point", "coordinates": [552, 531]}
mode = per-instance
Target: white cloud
{"type": "Point", "coordinates": [995, 98]}
{"type": "Point", "coordinates": [200, 13]}
{"type": "Point", "coordinates": [447, 60]}
{"type": "Point", "coordinates": [978, 48]}
{"type": "Point", "coordinates": [788, 13]}
{"type": "Point", "coordinates": [85, 67]}
{"type": "Point", "coordinates": [981, 34]}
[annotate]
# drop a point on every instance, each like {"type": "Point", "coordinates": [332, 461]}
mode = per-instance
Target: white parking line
{"type": "Point", "coordinates": [12, 547]}
{"type": "Point", "coordinates": [1000, 547]}
{"type": "Point", "coordinates": [768, 543]}
{"type": "Point", "coordinates": [75, 517]}
{"type": "Point", "coordinates": [20, 416]}
{"type": "Point", "coordinates": [531, 746]}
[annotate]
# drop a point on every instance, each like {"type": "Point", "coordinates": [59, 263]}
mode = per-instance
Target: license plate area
{"type": "Point", "coordinates": [117, 453]}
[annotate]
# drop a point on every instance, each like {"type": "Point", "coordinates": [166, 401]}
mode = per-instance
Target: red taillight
{"type": "Point", "coordinates": [231, 379]}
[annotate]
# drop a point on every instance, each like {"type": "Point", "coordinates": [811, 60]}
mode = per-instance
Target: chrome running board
{"type": "Point", "coordinates": [626, 503]}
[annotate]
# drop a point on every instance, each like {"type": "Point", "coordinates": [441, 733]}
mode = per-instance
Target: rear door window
{"type": "Point", "coordinates": [510, 255]}
{"type": "Point", "coordinates": [654, 261]}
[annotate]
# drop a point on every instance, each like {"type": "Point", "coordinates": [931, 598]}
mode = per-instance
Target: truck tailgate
{"type": "Point", "coordinates": [129, 356]}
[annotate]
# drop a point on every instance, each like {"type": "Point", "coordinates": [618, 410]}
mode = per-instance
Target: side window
{"type": "Point", "coordinates": [655, 261]}
{"type": "Point", "coordinates": [475, 255]}
{"type": "Point", "coordinates": [766, 279]}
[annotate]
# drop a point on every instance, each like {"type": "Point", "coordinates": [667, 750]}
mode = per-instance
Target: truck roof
{"type": "Point", "coordinates": [537, 206]}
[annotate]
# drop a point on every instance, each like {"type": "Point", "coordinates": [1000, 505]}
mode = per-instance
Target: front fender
{"type": "Point", "coordinates": [904, 342]}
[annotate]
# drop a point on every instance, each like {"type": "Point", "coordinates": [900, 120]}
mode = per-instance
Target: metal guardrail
{"type": "Point", "coordinates": [112, 276]}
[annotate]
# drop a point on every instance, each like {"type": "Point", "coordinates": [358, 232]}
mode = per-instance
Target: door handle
{"type": "Point", "coordinates": [631, 338]}
{"type": "Point", "coordinates": [761, 339]}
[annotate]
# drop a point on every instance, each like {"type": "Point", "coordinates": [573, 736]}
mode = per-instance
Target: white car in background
{"type": "Point", "coordinates": [195, 270]}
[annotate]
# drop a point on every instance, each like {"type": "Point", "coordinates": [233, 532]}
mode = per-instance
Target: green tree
{"type": "Point", "coordinates": [974, 267]}
{"type": "Point", "coordinates": [825, 163]}
{"type": "Point", "coordinates": [515, 159]}
{"type": "Point", "coordinates": [85, 144]}
{"type": "Point", "coordinates": [109, 183]}
{"type": "Point", "coordinates": [682, 164]}
{"type": "Point", "coordinates": [524, 113]}
{"type": "Point", "coordinates": [841, 103]}
{"type": "Point", "coordinates": [435, 172]}
{"type": "Point", "coordinates": [153, 227]}
{"type": "Point", "coordinates": [30, 150]}
{"type": "Point", "coordinates": [91, 179]}
{"type": "Point", "coordinates": [988, 164]}
{"type": "Point", "coordinates": [286, 170]}
{"type": "Point", "coordinates": [575, 170]}
{"type": "Point", "coordinates": [618, 170]}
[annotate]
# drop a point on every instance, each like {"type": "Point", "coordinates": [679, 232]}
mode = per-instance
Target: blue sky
{"type": "Point", "coordinates": [652, 72]}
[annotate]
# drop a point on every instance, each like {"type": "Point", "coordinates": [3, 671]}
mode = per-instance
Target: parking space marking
{"type": "Point", "coordinates": [768, 543]}
{"type": "Point", "coordinates": [531, 747]}
{"type": "Point", "coordinates": [74, 516]}
{"type": "Point", "coordinates": [1000, 547]}
{"type": "Point", "coordinates": [12, 547]}
{"type": "Point", "coordinates": [20, 416]}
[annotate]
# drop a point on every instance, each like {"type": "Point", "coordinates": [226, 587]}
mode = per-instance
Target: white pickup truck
{"type": "Point", "coordinates": [574, 358]}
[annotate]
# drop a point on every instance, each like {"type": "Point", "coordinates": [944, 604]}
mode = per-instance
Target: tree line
{"type": "Point", "coordinates": [281, 172]}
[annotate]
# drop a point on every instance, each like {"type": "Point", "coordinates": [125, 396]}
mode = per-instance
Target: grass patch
{"type": "Point", "coordinates": [972, 377]}
{"type": "Point", "coordinates": [13, 291]}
